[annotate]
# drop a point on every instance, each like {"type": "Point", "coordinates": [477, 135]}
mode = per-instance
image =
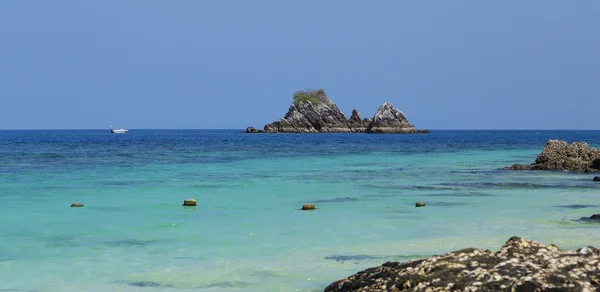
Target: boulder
{"type": "Point", "coordinates": [520, 265]}
{"type": "Point", "coordinates": [308, 207]}
{"type": "Point", "coordinates": [189, 202]}
{"type": "Point", "coordinates": [388, 119]}
{"type": "Point", "coordinates": [596, 178]}
{"type": "Point", "coordinates": [558, 155]}
{"type": "Point", "coordinates": [595, 217]}
{"type": "Point", "coordinates": [420, 204]}
{"type": "Point", "coordinates": [76, 205]}
{"type": "Point", "coordinates": [253, 130]}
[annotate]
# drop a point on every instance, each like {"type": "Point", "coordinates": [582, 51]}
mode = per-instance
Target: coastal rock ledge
{"type": "Point", "coordinates": [520, 265]}
{"type": "Point", "coordinates": [558, 155]}
{"type": "Point", "coordinates": [313, 112]}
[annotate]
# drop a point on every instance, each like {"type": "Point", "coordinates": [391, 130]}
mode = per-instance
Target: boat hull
{"type": "Point", "coordinates": [118, 131]}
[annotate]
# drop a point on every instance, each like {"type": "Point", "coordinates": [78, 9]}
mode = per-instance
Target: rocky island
{"type": "Point", "coordinates": [313, 112]}
{"type": "Point", "coordinates": [520, 265]}
{"type": "Point", "coordinates": [558, 155]}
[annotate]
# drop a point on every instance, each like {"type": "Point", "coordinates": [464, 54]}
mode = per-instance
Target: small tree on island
{"type": "Point", "coordinates": [316, 96]}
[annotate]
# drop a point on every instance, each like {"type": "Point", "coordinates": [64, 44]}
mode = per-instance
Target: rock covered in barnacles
{"type": "Point", "coordinates": [520, 265]}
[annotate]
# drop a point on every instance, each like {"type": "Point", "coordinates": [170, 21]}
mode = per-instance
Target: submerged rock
{"type": "Point", "coordinates": [189, 202]}
{"type": "Point", "coordinates": [420, 204]}
{"type": "Point", "coordinates": [519, 167]}
{"type": "Point", "coordinates": [595, 217]}
{"type": "Point", "coordinates": [596, 178]}
{"type": "Point", "coordinates": [308, 207]}
{"type": "Point", "coordinates": [520, 265]}
{"type": "Point", "coordinates": [558, 155]}
{"type": "Point", "coordinates": [388, 119]}
{"type": "Point", "coordinates": [76, 205]}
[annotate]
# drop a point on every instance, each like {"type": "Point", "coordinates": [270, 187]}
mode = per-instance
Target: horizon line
{"type": "Point", "coordinates": [243, 129]}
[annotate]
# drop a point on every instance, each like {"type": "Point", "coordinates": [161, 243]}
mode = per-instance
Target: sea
{"type": "Point", "coordinates": [247, 232]}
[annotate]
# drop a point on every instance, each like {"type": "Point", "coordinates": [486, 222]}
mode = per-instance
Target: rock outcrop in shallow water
{"type": "Point", "coordinates": [520, 265]}
{"type": "Point", "coordinates": [322, 116]}
{"type": "Point", "coordinates": [558, 155]}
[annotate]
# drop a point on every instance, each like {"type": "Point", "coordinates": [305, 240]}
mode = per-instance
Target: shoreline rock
{"type": "Point", "coordinates": [323, 116]}
{"type": "Point", "coordinates": [520, 265]}
{"type": "Point", "coordinates": [558, 155]}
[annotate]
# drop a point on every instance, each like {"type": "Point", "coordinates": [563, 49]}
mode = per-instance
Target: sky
{"type": "Point", "coordinates": [220, 64]}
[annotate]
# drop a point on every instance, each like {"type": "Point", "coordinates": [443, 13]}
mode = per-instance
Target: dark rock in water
{"type": "Point", "coordinates": [308, 207]}
{"type": "Point", "coordinates": [423, 131]}
{"type": "Point", "coordinates": [596, 178]}
{"type": "Point", "coordinates": [344, 258]}
{"type": "Point", "coordinates": [420, 204]}
{"type": "Point", "coordinates": [253, 130]}
{"type": "Point", "coordinates": [519, 167]}
{"type": "Point", "coordinates": [388, 119]}
{"type": "Point", "coordinates": [558, 155]}
{"type": "Point", "coordinates": [336, 200]}
{"type": "Point", "coordinates": [189, 202]}
{"type": "Point", "coordinates": [142, 283]}
{"type": "Point", "coordinates": [577, 206]}
{"type": "Point", "coordinates": [520, 265]}
{"type": "Point", "coordinates": [595, 217]}
{"type": "Point", "coordinates": [76, 205]}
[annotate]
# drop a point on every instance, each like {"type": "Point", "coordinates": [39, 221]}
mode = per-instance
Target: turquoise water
{"type": "Point", "coordinates": [247, 234]}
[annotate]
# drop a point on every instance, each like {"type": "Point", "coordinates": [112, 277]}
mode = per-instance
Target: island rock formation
{"type": "Point", "coordinates": [388, 119]}
{"type": "Point", "coordinates": [520, 265]}
{"type": "Point", "coordinates": [308, 118]}
{"type": "Point", "coordinates": [558, 155]}
{"type": "Point", "coordinates": [318, 114]}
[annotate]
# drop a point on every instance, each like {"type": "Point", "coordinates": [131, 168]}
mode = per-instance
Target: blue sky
{"type": "Point", "coordinates": [231, 64]}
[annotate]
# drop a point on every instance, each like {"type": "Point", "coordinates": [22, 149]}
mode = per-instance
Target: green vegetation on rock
{"type": "Point", "coordinates": [316, 96]}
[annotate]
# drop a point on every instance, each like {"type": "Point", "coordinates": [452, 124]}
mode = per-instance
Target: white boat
{"type": "Point", "coordinates": [118, 131]}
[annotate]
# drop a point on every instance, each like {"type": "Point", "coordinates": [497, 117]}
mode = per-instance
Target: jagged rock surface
{"type": "Point", "coordinates": [520, 265]}
{"type": "Point", "coordinates": [388, 119]}
{"type": "Point", "coordinates": [307, 118]}
{"type": "Point", "coordinates": [356, 123]}
{"type": "Point", "coordinates": [558, 155]}
{"type": "Point", "coordinates": [253, 130]}
{"type": "Point", "coordinates": [327, 117]}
